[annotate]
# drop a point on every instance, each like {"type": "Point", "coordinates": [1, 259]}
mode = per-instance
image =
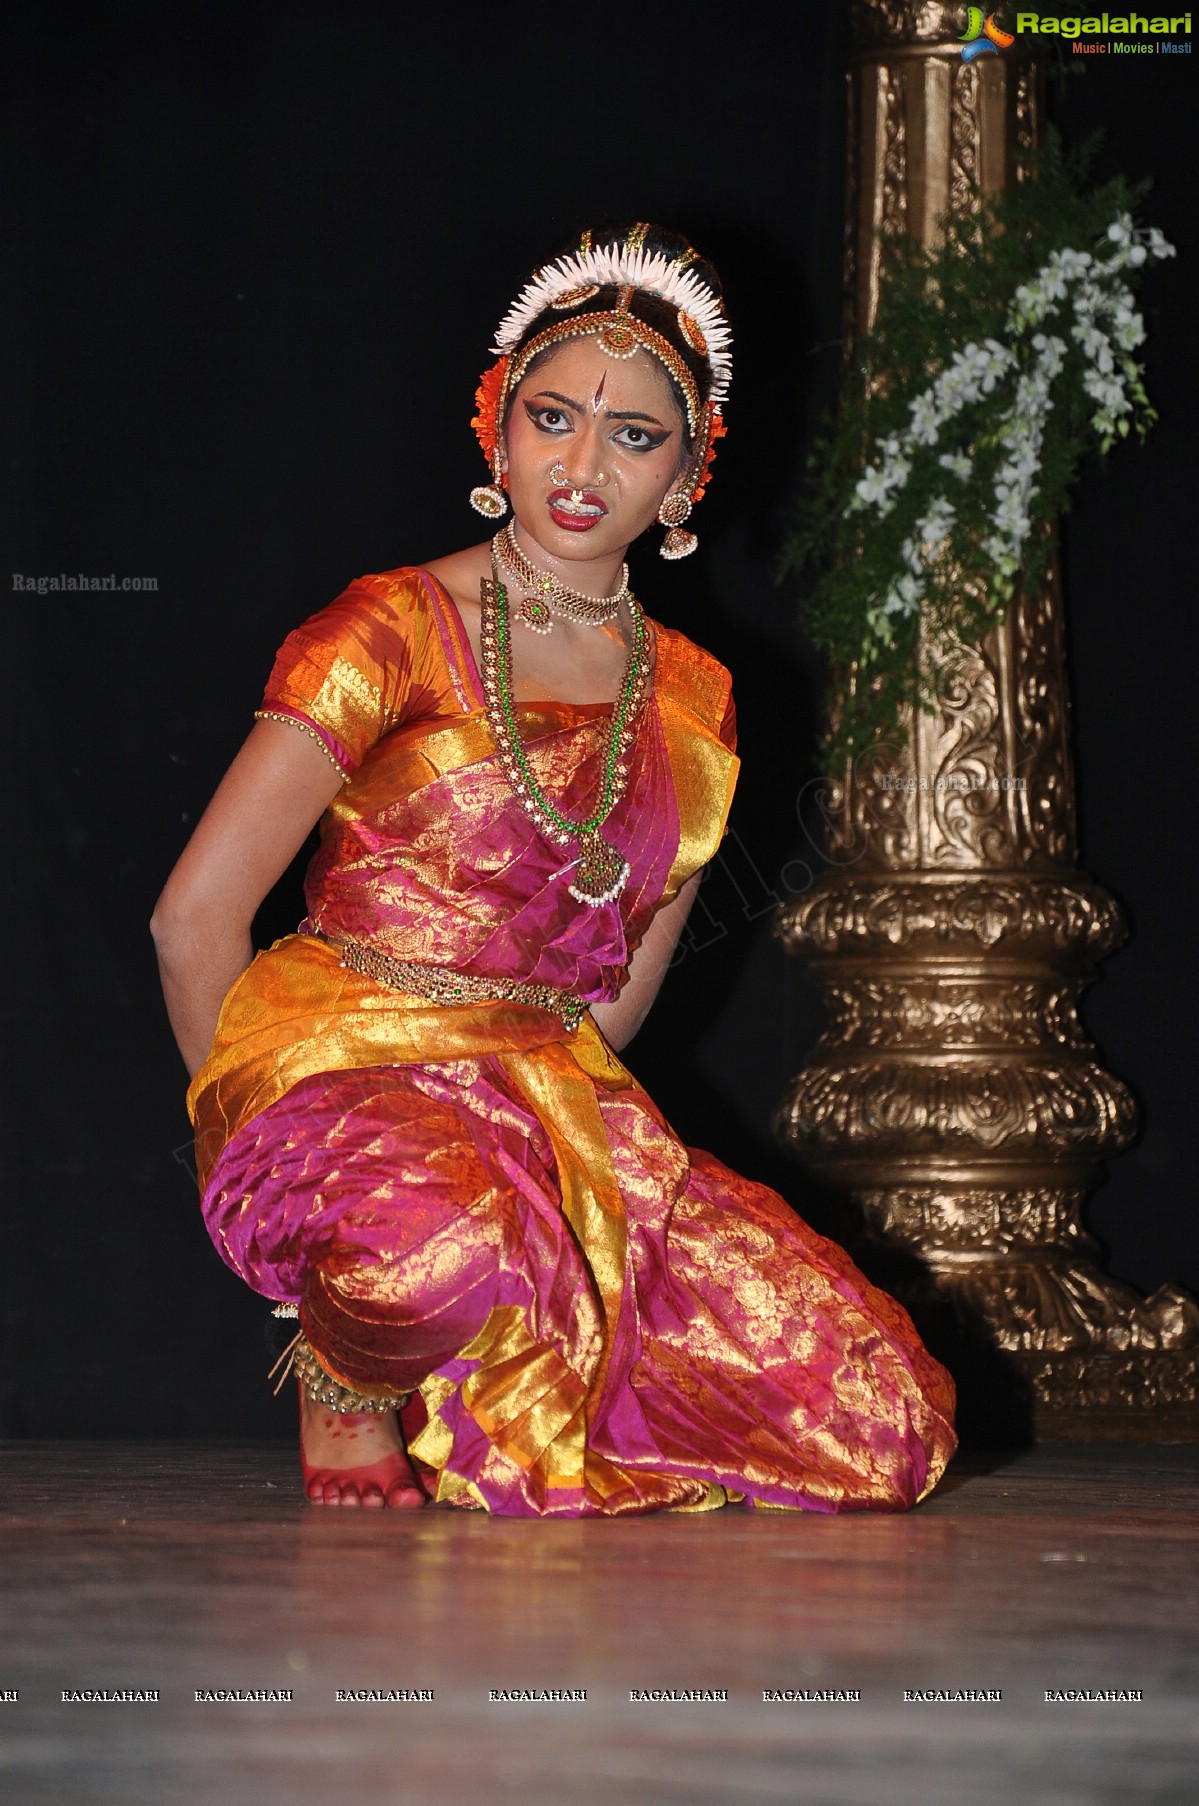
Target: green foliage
{"type": "Point", "coordinates": [964, 292]}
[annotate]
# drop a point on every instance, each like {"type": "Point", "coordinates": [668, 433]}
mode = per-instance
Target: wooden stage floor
{"type": "Point", "coordinates": [185, 1568]}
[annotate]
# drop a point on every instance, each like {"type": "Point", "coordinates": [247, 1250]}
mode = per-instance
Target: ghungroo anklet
{"type": "Point", "coordinates": [323, 1389]}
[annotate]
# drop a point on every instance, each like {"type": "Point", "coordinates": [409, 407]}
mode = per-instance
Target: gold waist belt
{"type": "Point", "coordinates": [441, 984]}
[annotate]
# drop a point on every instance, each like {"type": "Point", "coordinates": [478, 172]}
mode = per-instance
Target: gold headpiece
{"type": "Point", "coordinates": [572, 281]}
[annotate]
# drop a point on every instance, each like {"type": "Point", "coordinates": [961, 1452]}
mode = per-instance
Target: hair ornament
{"type": "Point", "coordinates": [575, 297]}
{"type": "Point", "coordinates": [691, 332]}
{"type": "Point", "coordinates": [487, 400]}
{"type": "Point", "coordinates": [621, 268]}
{"type": "Point", "coordinates": [622, 338]}
{"type": "Point", "coordinates": [716, 430]}
{"type": "Point", "coordinates": [488, 499]}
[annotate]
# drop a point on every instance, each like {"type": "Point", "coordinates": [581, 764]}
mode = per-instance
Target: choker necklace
{"type": "Point", "coordinates": [601, 870]}
{"type": "Point", "coordinates": [547, 595]}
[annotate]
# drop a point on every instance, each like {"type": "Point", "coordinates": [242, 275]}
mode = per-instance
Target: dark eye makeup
{"type": "Point", "coordinates": [645, 439]}
{"type": "Point", "coordinates": [552, 419]}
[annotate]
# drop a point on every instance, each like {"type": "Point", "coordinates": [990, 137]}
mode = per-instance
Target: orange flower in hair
{"type": "Point", "coordinates": [716, 430]}
{"type": "Point", "coordinates": [487, 399]}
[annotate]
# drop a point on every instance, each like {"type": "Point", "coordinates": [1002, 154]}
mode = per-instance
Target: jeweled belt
{"type": "Point", "coordinates": [441, 984]}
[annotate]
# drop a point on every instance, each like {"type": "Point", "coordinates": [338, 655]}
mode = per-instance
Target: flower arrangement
{"type": "Point", "coordinates": [999, 357]}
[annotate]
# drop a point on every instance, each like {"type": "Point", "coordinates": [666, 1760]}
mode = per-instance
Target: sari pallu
{"type": "Point", "coordinates": [483, 1206]}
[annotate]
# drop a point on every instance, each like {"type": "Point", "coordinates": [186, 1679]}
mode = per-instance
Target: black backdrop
{"type": "Point", "coordinates": [259, 255]}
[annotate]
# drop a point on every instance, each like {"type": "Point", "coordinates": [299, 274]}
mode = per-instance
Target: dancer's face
{"type": "Point", "coordinates": [593, 444]}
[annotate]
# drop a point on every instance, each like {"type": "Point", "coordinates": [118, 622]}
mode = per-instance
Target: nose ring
{"type": "Point", "coordinates": [558, 475]}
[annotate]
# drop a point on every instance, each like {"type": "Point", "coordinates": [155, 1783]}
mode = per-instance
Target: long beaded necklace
{"type": "Point", "coordinates": [601, 870]}
{"type": "Point", "coordinates": [547, 595]}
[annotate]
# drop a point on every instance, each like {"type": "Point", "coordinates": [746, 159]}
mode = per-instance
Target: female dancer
{"type": "Point", "coordinates": [516, 1288]}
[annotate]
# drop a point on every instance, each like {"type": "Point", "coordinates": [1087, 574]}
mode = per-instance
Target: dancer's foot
{"type": "Point", "coordinates": [355, 1458]}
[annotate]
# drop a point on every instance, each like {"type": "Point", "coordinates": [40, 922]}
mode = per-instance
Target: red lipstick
{"type": "Point", "coordinates": [577, 510]}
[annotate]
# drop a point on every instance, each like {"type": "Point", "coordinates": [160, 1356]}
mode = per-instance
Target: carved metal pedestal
{"type": "Point", "coordinates": [954, 1094]}
{"type": "Point", "coordinates": [957, 1098]}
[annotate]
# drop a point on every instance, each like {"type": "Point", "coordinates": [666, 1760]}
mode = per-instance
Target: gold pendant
{"type": "Point", "coordinates": [601, 872]}
{"type": "Point", "coordinates": [534, 613]}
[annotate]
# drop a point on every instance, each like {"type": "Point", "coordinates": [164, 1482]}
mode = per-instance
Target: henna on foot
{"type": "Point", "coordinates": [355, 1458]}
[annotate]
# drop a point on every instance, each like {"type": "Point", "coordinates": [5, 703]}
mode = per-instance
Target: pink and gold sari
{"type": "Point", "coordinates": [480, 1206]}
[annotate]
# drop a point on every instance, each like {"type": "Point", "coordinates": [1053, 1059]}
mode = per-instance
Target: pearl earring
{"type": "Point", "coordinates": [673, 512]}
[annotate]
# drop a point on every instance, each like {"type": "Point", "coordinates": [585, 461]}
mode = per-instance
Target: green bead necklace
{"type": "Point", "coordinates": [601, 871]}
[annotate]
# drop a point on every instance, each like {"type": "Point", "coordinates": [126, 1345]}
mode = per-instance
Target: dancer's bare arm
{"type": "Point", "coordinates": [265, 807]}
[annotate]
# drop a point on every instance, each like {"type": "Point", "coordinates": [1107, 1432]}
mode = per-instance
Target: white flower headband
{"type": "Point", "coordinates": [702, 320]}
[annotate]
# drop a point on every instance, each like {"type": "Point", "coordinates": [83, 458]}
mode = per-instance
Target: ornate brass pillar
{"type": "Point", "coordinates": [954, 1093]}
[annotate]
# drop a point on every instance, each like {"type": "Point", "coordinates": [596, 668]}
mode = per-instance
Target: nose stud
{"type": "Point", "coordinates": [558, 475]}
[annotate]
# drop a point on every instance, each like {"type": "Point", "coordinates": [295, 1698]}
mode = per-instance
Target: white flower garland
{"type": "Point", "coordinates": [1082, 293]}
{"type": "Point", "coordinates": [615, 264]}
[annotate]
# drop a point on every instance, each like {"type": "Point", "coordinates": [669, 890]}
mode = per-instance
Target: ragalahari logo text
{"type": "Point", "coordinates": [1127, 34]}
{"type": "Point", "coordinates": [982, 37]}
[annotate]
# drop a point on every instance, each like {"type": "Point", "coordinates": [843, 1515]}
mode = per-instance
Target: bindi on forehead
{"type": "Point", "coordinates": [580, 380]}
